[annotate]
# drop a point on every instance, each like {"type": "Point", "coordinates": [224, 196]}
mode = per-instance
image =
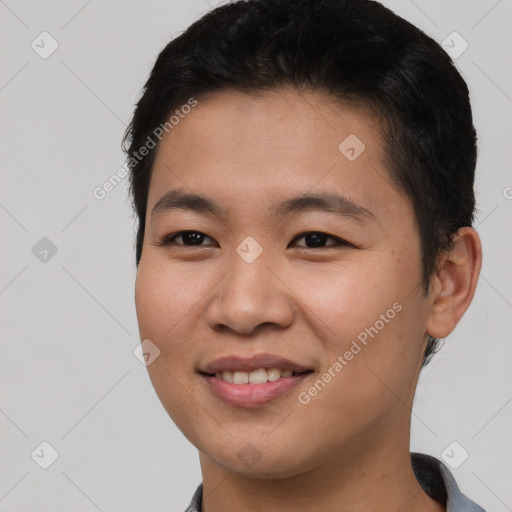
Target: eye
{"type": "Point", "coordinates": [188, 239]}
{"type": "Point", "coordinates": [317, 239]}
{"type": "Point", "coordinates": [312, 239]}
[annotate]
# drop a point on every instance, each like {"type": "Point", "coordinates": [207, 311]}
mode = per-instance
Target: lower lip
{"type": "Point", "coordinates": [252, 395]}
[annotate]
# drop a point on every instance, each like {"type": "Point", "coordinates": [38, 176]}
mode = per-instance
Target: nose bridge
{"type": "Point", "coordinates": [250, 270]}
{"type": "Point", "coordinates": [250, 295]}
{"type": "Point", "coordinates": [250, 280]}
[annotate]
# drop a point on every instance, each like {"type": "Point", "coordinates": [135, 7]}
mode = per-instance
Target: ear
{"type": "Point", "coordinates": [453, 285]}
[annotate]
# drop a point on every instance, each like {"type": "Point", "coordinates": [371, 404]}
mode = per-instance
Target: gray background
{"type": "Point", "coordinates": [68, 373]}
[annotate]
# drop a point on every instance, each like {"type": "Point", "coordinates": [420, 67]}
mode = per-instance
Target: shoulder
{"type": "Point", "coordinates": [438, 482]}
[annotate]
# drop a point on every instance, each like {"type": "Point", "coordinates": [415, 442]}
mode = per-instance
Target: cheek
{"type": "Point", "coordinates": [164, 297]}
{"type": "Point", "coordinates": [369, 315]}
{"type": "Point", "coordinates": [161, 310]}
{"type": "Point", "coordinates": [162, 300]}
{"type": "Point", "coordinates": [346, 297]}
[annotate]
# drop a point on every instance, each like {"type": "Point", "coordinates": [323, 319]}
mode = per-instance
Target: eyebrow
{"type": "Point", "coordinates": [330, 202]}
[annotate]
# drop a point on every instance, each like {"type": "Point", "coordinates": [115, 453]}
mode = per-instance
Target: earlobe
{"type": "Point", "coordinates": [454, 283]}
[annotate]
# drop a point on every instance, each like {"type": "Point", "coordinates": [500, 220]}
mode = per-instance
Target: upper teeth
{"type": "Point", "coordinates": [256, 377]}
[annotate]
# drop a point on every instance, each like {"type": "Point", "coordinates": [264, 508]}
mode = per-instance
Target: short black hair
{"type": "Point", "coordinates": [360, 53]}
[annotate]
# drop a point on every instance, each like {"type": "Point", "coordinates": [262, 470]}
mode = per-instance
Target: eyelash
{"type": "Point", "coordinates": [169, 239]}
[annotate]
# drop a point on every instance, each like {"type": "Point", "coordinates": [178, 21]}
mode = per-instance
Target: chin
{"type": "Point", "coordinates": [267, 462]}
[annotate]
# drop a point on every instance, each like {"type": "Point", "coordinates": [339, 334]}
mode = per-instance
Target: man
{"type": "Point", "coordinates": [303, 177]}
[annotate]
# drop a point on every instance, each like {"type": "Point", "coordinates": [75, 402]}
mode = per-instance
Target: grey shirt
{"type": "Point", "coordinates": [434, 477]}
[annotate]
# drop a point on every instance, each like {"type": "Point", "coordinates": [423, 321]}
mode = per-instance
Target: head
{"type": "Point", "coordinates": [264, 101]}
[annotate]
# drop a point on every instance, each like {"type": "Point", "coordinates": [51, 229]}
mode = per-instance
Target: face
{"type": "Point", "coordinates": [299, 255]}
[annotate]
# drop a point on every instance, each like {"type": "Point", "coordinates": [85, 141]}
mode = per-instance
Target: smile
{"type": "Point", "coordinates": [253, 389]}
{"type": "Point", "coordinates": [259, 376]}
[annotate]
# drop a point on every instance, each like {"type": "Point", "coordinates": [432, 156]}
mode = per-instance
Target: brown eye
{"type": "Point", "coordinates": [316, 239]}
{"type": "Point", "coordinates": [186, 238]}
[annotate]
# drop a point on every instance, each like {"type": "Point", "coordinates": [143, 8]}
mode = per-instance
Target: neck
{"type": "Point", "coordinates": [380, 480]}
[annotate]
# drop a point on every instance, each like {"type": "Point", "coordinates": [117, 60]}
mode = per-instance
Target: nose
{"type": "Point", "coordinates": [251, 297]}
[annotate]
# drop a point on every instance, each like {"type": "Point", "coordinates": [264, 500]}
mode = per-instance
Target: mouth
{"type": "Point", "coordinates": [259, 376]}
{"type": "Point", "coordinates": [252, 382]}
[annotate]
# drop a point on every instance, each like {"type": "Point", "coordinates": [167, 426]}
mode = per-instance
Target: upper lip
{"type": "Point", "coordinates": [249, 364]}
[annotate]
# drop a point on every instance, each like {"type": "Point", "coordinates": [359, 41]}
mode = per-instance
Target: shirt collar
{"type": "Point", "coordinates": [438, 482]}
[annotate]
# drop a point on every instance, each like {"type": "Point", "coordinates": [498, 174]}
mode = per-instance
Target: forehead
{"type": "Point", "coordinates": [300, 123]}
{"type": "Point", "coordinates": [240, 146]}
